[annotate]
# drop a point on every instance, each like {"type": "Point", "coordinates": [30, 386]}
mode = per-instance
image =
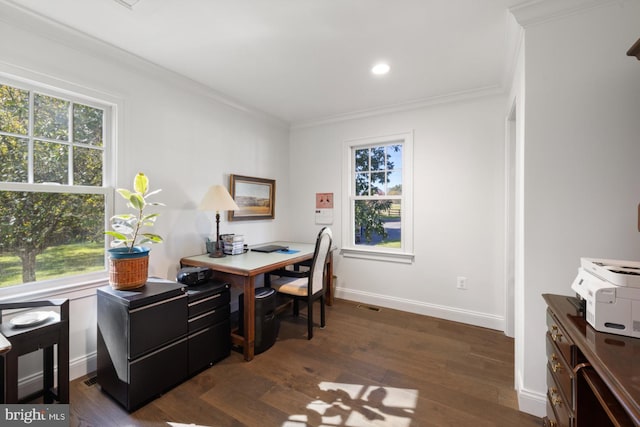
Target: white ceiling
{"type": "Point", "coordinates": [303, 60]}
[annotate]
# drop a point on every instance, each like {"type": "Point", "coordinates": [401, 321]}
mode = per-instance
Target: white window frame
{"type": "Point", "coordinates": [65, 91]}
{"type": "Point", "coordinates": [404, 254]}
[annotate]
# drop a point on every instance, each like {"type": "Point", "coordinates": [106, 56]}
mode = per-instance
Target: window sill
{"type": "Point", "coordinates": [84, 286]}
{"type": "Point", "coordinates": [377, 255]}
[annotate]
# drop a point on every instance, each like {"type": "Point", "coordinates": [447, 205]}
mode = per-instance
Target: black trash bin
{"type": "Point", "coordinates": [267, 324]}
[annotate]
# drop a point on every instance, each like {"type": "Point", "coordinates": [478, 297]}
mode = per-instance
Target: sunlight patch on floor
{"type": "Point", "coordinates": [354, 405]}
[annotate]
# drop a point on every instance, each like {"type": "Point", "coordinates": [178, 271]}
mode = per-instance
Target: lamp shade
{"type": "Point", "coordinates": [218, 199]}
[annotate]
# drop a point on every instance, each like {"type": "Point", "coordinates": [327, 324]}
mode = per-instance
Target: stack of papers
{"type": "Point", "coordinates": [233, 244]}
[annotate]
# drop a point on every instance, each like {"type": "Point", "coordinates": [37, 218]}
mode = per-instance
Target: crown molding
{"type": "Point", "coordinates": [404, 106]}
{"type": "Point", "coordinates": [515, 44]}
{"type": "Point", "coordinates": [533, 12]}
{"type": "Point", "coordinates": [635, 50]}
{"type": "Point", "coordinates": [127, 3]}
{"type": "Point", "coordinates": [17, 16]}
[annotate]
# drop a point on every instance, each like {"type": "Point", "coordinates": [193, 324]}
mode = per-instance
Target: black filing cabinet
{"type": "Point", "coordinates": [209, 325]}
{"type": "Point", "coordinates": [142, 341]}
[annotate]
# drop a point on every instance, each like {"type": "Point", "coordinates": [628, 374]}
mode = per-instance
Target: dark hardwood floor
{"type": "Point", "coordinates": [366, 368]}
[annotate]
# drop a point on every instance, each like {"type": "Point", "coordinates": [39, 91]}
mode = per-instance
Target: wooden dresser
{"type": "Point", "coordinates": [593, 378]}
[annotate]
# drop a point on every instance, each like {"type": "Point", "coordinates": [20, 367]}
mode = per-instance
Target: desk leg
{"type": "Point", "coordinates": [249, 317]}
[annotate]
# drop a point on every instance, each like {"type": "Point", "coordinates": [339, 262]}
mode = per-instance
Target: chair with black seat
{"type": "Point", "coordinates": [44, 331]}
{"type": "Point", "coordinates": [308, 286]}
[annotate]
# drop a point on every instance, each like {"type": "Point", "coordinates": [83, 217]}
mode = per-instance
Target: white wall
{"type": "Point", "coordinates": [459, 210]}
{"type": "Point", "coordinates": [581, 174]}
{"type": "Point", "coordinates": [172, 129]}
{"type": "Point", "coordinates": [580, 184]}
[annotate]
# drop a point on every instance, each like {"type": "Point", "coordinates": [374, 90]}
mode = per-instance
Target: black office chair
{"type": "Point", "coordinates": [307, 286]}
{"type": "Point", "coordinates": [20, 339]}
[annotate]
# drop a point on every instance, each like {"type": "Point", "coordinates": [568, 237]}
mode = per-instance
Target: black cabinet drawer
{"type": "Point", "coordinates": [156, 372]}
{"type": "Point", "coordinates": [153, 325]}
{"type": "Point", "coordinates": [209, 318]}
{"type": "Point", "coordinates": [208, 303]}
{"type": "Point", "coordinates": [209, 346]}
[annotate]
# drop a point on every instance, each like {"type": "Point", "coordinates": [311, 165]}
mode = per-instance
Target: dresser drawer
{"type": "Point", "coordinates": [558, 409]}
{"type": "Point", "coordinates": [560, 370]}
{"type": "Point", "coordinates": [551, 419]}
{"type": "Point", "coordinates": [561, 339]}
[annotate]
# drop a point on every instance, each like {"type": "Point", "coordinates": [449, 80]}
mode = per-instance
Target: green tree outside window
{"type": "Point", "coordinates": [65, 145]}
{"type": "Point", "coordinates": [375, 169]}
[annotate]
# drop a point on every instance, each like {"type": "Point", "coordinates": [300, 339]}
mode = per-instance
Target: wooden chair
{"type": "Point", "coordinates": [307, 286]}
{"type": "Point", "coordinates": [54, 331]}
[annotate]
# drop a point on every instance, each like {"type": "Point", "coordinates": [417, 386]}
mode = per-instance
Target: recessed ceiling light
{"type": "Point", "coordinates": [380, 69]}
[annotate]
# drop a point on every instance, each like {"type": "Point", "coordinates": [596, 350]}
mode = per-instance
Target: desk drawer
{"type": "Point", "coordinates": [561, 339]}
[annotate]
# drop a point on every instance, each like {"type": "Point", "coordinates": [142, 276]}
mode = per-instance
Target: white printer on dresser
{"type": "Point", "coordinates": [611, 290]}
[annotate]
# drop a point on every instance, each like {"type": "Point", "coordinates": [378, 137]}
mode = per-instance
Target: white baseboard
{"type": "Point", "coordinates": [475, 318]}
{"type": "Point", "coordinates": [77, 368]}
{"type": "Point", "coordinates": [83, 365]}
{"type": "Point", "coordinates": [532, 403]}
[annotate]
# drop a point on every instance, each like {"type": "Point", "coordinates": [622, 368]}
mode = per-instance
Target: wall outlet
{"type": "Point", "coordinates": [461, 282]}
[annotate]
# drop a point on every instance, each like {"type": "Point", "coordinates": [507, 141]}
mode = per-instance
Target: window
{"type": "Point", "coordinates": [53, 197]}
{"type": "Point", "coordinates": [377, 187]}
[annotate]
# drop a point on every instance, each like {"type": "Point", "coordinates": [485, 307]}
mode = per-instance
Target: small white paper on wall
{"type": "Point", "coordinates": [324, 208]}
{"type": "Point", "coordinates": [324, 216]}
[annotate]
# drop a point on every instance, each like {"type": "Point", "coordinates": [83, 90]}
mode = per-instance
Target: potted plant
{"type": "Point", "coordinates": [128, 258]}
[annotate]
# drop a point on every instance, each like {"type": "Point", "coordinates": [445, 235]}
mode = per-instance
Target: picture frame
{"type": "Point", "coordinates": [255, 197]}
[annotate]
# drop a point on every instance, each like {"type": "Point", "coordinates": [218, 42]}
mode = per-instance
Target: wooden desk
{"type": "Point", "coordinates": [241, 270]}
